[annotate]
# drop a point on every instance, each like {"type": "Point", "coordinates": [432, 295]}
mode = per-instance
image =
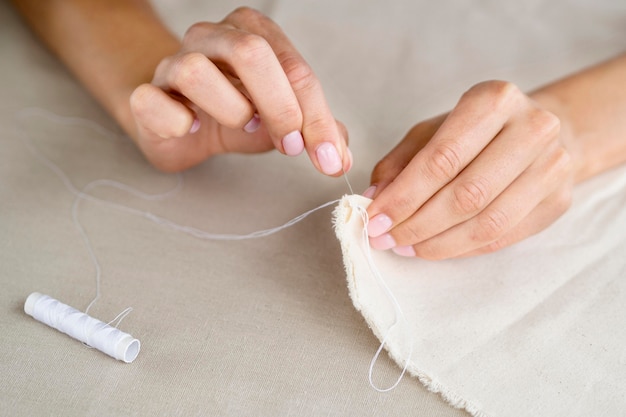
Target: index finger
{"type": "Point", "coordinates": [478, 117]}
{"type": "Point", "coordinates": [324, 142]}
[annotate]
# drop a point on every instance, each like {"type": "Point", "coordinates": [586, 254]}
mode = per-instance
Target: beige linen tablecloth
{"type": "Point", "coordinates": [261, 327]}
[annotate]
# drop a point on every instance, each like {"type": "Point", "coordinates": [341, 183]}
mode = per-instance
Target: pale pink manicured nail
{"type": "Point", "coordinates": [293, 144]}
{"type": "Point", "coordinates": [369, 193]}
{"type": "Point", "coordinates": [378, 225]}
{"type": "Point", "coordinates": [253, 124]}
{"type": "Point", "coordinates": [383, 242]}
{"type": "Point", "coordinates": [404, 251]}
{"type": "Point", "coordinates": [195, 126]}
{"type": "Point", "coordinates": [328, 158]}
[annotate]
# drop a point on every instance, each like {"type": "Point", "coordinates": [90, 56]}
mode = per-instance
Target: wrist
{"type": "Point", "coordinates": [590, 105]}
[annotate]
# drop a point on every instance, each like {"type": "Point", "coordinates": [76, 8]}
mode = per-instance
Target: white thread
{"type": "Point", "coordinates": [63, 316]}
{"type": "Point", "coordinates": [345, 176]}
{"type": "Point", "coordinates": [83, 327]}
{"type": "Point", "coordinates": [398, 313]}
{"type": "Point", "coordinates": [84, 195]}
{"type": "Point", "coordinates": [118, 319]}
{"type": "Point", "coordinates": [200, 234]}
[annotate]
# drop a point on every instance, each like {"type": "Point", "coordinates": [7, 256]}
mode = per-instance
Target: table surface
{"type": "Point", "coordinates": [258, 327]}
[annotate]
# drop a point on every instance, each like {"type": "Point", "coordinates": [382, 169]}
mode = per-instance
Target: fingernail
{"type": "Point", "coordinates": [404, 251]}
{"type": "Point", "coordinates": [383, 242]}
{"type": "Point", "coordinates": [378, 225]}
{"type": "Point", "coordinates": [253, 124]}
{"type": "Point", "coordinates": [293, 144]}
{"type": "Point", "coordinates": [328, 158]}
{"type": "Point", "coordinates": [195, 126]}
{"type": "Point", "coordinates": [369, 193]}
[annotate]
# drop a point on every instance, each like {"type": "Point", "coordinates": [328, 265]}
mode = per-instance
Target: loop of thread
{"type": "Point", "coordinates": [398, 313]}
{"type": "Point", "coordinates": [104, 336]}
{"type": "Point", "coordinates": [83, 327]}
{"type": "Point", "coordinates": [113, 341]}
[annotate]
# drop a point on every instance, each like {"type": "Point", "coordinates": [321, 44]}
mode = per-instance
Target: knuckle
{"type": "Point", "coordinates": [492, 224]}
{"type": "Point", "coordinates": [561, 163]}
{"type": "Point", "coordinates": [195, 31]}
{"type": "Point", "coordinates": [428, 252]}
{"type": "Point", "coordinates": [140, 100]}
{"type": "Point", "coordinates": [288, 115]}
{"type": "Point", "coordinates": [251, 20]}
{"type": "Point", "coordinates": [444, 163]}
{"type": "Point", "coordinates": [318, 127]}
{"type": "Point", "coordinates": [544, 124]}
{"type": "Point", "coordinates": [399, 207]}
{"type": "Point", "coordinates": [234, 114]}
{"type": "Point", "coordinates": [472, 196]}
{"type": "Point", "coordinates": [317, 124]}
{"type": "Point", "coordinates": [188, 70]}
{"type": "Point", "coordinates": [245, 13]}
{"type": "Point", "coordinates": [299, 74]}
{"type": "Point", "coordinates": [174, 129]}
{"type": "Point", "coordinates": [406, 233]}
{"type": "Point", "coordinates": [410, 235]}
{"type": "Point", "coordinates": [162, 68]}
{"type": "Point", "coordinates": [249, 50]}
{"type": "Point", "coordinates": [497, 95]}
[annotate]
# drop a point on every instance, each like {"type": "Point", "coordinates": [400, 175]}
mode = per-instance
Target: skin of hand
{"type": "Point", "coordinates": [234, 86]}
{"type": "Point", "coordinates": [499, 167]}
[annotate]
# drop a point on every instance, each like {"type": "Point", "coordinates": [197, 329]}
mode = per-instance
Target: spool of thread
{"type": "Point", "coordinates": [83, 327]}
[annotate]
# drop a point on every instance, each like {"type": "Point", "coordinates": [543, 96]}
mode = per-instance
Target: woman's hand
{"type": "Point", "coordinates": [490, 173]}
{"type": "Point", "coordinates": [236, 86]}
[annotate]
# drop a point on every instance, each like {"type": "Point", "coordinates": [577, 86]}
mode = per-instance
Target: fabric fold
{"type": "Point", "coordinates": [534, 329]}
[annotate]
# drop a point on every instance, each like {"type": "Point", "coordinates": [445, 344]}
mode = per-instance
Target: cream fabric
{"type": "Point", "coordinates": [267, 327]}
{"type": "Point", "coordinates": [515, 330]}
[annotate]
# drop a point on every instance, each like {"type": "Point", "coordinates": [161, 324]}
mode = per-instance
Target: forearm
{"type": "Point", "coordinates": [111, 46]}
{"type": "Point", "coordinates": [591, 105]}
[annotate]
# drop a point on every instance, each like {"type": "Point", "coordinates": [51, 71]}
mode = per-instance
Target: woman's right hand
{"type": "Point", "coordinates": [236, 86]}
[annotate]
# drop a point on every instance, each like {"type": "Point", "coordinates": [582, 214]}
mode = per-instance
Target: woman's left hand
{"type": "Point", "coordinates": [493, 171]}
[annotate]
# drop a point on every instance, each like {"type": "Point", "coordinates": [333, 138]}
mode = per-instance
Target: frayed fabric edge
{"type": "Point", "coordinates": [341, 216]}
